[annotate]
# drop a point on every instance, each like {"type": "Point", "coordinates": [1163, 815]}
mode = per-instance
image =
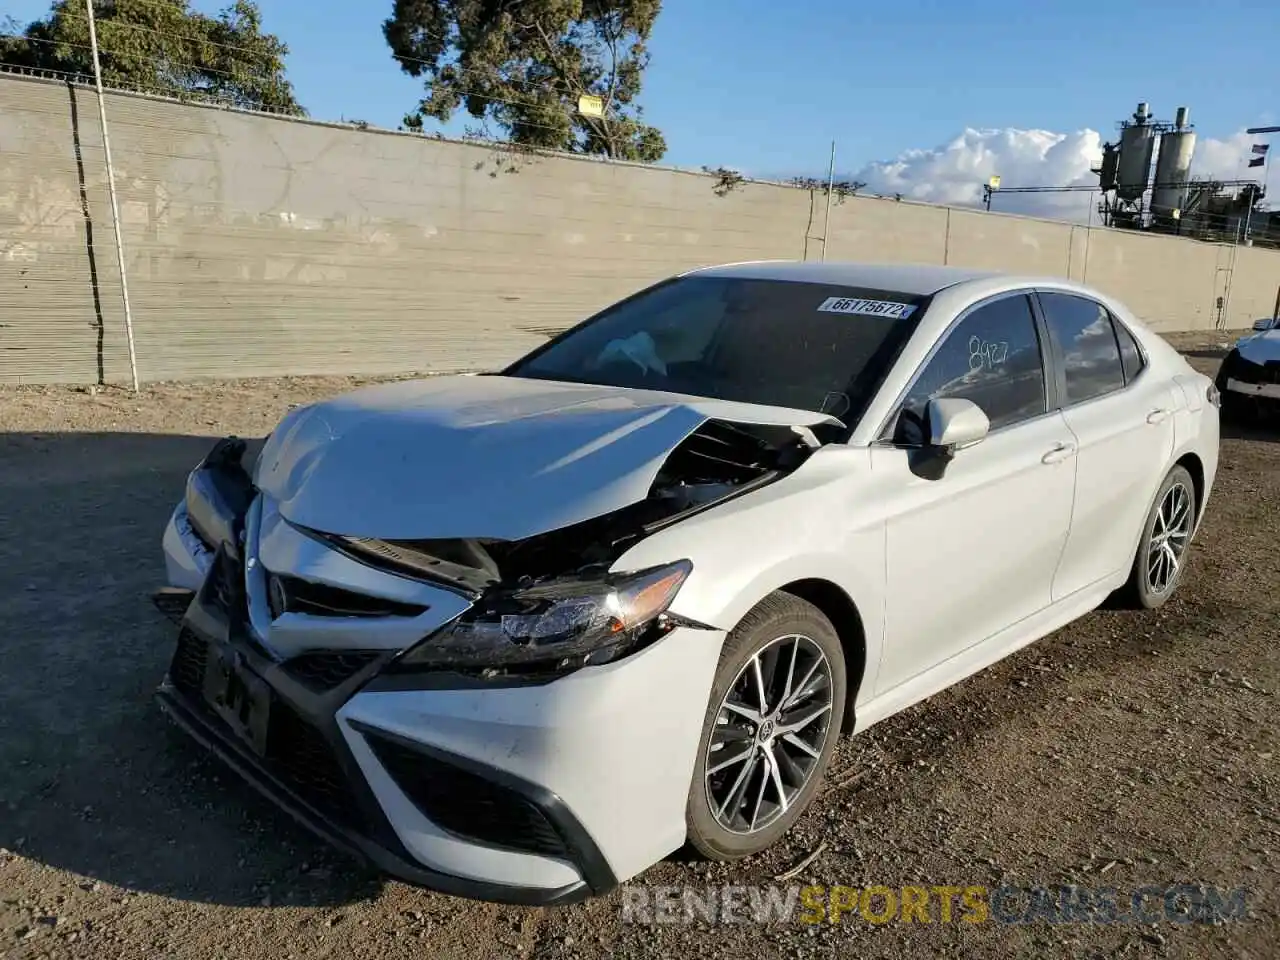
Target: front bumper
{"type": "Point", "coordinates": [197, 723]}
{"type": "Point", "coordinates": [1242, 377]}
{"type": "Point", "coordinates": [538, 794]}
{"type": "Point", "coordinates": [1267, 391]}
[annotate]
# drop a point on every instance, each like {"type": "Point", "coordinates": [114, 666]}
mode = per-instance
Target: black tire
{"type": "Point", "coordinates": [1140, 592]}
{"type": "Point", "coordinates": [779, 624]}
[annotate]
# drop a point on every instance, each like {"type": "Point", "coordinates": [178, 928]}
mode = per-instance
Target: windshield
{"type": "Point", "coordinates": [810, 346]}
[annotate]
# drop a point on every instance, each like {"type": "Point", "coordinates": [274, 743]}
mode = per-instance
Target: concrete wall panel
{"type": "Point", "coordinates": [257, 245]}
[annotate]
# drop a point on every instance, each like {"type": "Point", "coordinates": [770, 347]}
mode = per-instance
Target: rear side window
{"type": "Point", "coordinates": [993, 358]}
{"type": "Point", "coordinates": [1086, 340]}
{"type": "Point", "coordinates": [1130, 355]}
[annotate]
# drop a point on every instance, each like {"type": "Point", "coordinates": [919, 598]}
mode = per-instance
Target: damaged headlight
{"type": "Point", "coordinates": [218, 493]}
{"type": "Point", "coordinates": [554, 626]}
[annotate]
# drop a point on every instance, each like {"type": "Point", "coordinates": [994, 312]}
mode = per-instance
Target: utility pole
{"type": "Point", "coordinates": [831, 181]}
{"type": "Point", "coordinates": [111, 190]}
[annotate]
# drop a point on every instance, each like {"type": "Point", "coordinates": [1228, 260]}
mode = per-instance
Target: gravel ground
{"type": "Point", "coordinates": [1123, 750]}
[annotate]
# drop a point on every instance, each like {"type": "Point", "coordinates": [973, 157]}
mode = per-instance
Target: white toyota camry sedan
{"type": "Point", "coordinates": [520, 635]}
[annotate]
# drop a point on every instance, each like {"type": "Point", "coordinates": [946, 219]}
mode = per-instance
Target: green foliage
{"type": "Point", "coordinates": [164, 47]}
{"type": "Point", "coordinates": [727, 180]}
{"type": "Point", "coordinates": [841, 189]}
{"type": "Point", "coordinates": [525, 63]}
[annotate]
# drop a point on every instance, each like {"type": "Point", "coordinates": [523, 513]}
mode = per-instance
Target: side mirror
{"type": "Point", "coordinates": [1263, 324]}
{"type": "Point", "coordinates": [955, 424]}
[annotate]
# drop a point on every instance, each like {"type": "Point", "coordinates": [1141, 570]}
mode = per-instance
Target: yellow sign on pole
{"type": "Point", "coordinates": [590, 105]}
{"type": "Point", "coordinates": [994, 183]}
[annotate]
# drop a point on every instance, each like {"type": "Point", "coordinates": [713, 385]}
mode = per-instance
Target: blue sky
{"type": "Point", "coordinates": [765, 87]}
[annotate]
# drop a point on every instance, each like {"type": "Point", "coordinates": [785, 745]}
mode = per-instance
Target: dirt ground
{"type": "Point", "coordinates": [1122, 751]}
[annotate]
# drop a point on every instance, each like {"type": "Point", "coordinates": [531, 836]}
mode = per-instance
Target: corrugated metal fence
{"type": "Point", "coordinates": [258, 245]}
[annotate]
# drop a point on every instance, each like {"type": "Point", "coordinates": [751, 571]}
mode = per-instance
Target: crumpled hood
{"type": "Point", "coordinates": [1261, 347]}
{"type": "Point", "coordinates": [485, 457]}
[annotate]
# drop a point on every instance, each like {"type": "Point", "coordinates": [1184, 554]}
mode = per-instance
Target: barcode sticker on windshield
{"type": "Point", "coordinates": [871, 308]}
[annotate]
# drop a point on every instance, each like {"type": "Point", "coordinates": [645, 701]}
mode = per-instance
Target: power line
{"type": "Point", "coordinates": [514, 81]}
{"type": "Point", "coordinates": [113, 23]}
{"type": "Point", "coordinates": [216, 97]}
{"type": "Point", "coordinates": [186, 95]}
{"type": "Point", "coordinates": [430, 85]}
{"type": "Point", "coordinates": [194, 68]}
{"type": "Point", "coordinates": [548, 83]}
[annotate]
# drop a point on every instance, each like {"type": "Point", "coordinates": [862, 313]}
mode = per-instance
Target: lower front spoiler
{"type": "Point", "coordinates": [239, 759]}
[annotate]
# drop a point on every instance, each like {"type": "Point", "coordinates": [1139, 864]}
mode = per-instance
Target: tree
{"type": "Point", "coordinates": [525, 63]}
{"type": "Point", "coordinates": [164, 47]}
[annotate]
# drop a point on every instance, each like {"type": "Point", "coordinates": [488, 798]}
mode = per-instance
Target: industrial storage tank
{"type": "Point", "coordinates": [1173, 167]}
{"type": "Point", "coordinates": [1137, 140]}
{"type": "Point", "coordinates": [1110, 167]}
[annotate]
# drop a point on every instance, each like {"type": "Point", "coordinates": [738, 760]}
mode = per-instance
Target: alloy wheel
{"type": "Point", "coordinates": [769, 733]}
{"type": "Point", "coordinates": [1170, 535]}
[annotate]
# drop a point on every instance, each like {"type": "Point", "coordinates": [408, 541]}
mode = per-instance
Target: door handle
{"type": "Point", "coordinates": [1158, 415]}
{"type": "Point", "coordinates": [1059, 453]}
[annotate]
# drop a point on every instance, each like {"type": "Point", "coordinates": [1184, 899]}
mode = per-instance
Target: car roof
{"type": "Point", "coordinates": [915, 279]}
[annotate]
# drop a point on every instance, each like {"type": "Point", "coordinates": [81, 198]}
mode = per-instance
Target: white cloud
{"type": "Point", "coordinates": [1225, 159]}
{"type": "Point", "coordinates": [955, 172]}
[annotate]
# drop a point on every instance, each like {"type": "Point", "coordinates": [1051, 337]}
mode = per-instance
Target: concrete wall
{"type": "Point", "coordinates": [257, 246]}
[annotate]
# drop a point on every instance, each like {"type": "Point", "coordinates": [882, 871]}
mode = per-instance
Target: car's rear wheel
{"type": "Point", "coordinates": [771, 726]}
{"type": "Point", "coordinates": [1162, 554]}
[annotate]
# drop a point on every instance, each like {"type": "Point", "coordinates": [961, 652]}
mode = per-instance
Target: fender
{"type": "Point", "coordinates": [789, 546]}
{"type": "Point", "coordinates": [1186, 447]}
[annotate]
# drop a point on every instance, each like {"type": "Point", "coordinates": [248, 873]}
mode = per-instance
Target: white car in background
{"type": "Point", "coordinates": [519, 636]}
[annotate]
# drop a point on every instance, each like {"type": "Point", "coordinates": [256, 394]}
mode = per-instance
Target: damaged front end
{"type": "Point", "coordinates": [530, 609]}
{"type": "Point", "coordinates": [284, 628]}
{"type": "Point", "coordinates": [548, 604]}
{"type": "Point", "coordinates": [211, 514]}
{"type": "Point", "coordinates": [716, 462]}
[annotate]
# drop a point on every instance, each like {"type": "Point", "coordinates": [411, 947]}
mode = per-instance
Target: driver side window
{"type": "Point", "coordinates": [991, 357]}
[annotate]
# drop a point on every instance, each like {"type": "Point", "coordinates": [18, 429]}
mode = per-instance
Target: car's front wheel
{"type": "Point", "coordinates": [1162, 554]}
{"type": "Point", "coordinates": [771, 726]}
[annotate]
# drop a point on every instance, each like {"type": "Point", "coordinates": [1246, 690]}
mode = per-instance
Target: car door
{"type": "Point", "coordinates": [972, 544]}
{"type": "Point", "coordinates": [1122, 420]}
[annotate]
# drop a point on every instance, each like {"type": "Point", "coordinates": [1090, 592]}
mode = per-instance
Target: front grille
{"type": "Point", "coordinates": [287, 594]}
{"type": "Point", "coordinates": [186, 669]}
{"type": "Point", "coordinates": [299, 755]}
{"type": "Point", "coordinates": [325, 669]}
{"type": "Point", "coordinates": [467, 804]}
{"type": "Point", "coordinates": [296, 752]}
